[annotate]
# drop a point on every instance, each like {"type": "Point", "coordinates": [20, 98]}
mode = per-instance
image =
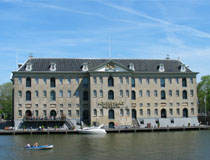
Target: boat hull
{"type": "Point", "coordinates": [91, 131]}
{"type": "Point", "coordinates": [46, 147]}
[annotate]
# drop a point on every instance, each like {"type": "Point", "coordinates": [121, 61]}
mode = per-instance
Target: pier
{"type": "Point", "coordinates": [117, 130]}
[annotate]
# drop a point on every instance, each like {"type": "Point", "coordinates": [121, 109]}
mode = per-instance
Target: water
{"type": "Point", "coordinates": [192, 145]}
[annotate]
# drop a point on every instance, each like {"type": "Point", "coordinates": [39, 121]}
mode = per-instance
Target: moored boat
{"type": "Point", "coordinates": [92, 130]}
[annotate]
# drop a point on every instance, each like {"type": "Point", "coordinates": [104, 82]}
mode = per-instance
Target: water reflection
{"type": "Point", "coordinates": [148, 146]}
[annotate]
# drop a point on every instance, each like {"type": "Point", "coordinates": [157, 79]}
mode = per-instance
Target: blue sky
{"type": "Point", "coordinates": [81, 28]}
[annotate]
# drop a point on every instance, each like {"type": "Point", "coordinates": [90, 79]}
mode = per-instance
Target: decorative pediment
{"type": "Point", "coordinates": [111, 66]}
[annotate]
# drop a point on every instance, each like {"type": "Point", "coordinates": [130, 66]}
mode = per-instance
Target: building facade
{"type": "Point", "coordinates": [113, 92]}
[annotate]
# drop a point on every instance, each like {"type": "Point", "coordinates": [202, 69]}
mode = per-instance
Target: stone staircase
{"type": "Point", "coordinates": [69, 124]}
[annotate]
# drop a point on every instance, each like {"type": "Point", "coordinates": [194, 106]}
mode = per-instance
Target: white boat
{"type": "Point", "coordinates": [92, 130]}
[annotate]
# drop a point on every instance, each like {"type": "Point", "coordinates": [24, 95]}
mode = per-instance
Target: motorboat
{"type": "Point", "coordinates": [45, 147]}
{"type": "Point", "coordinates": [92, 130]}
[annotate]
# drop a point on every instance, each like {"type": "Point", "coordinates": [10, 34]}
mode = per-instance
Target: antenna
{"type": "Point", "coordinates": [110, 51]}
{"type": "Point", "coordinates": [30, 55]}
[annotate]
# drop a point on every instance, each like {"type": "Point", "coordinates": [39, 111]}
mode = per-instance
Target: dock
{"type": "Point", "coordinates": [116, 130]}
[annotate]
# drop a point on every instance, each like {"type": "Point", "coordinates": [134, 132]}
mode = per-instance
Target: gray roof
{"type": "Point", "coordinates": [71, 64]}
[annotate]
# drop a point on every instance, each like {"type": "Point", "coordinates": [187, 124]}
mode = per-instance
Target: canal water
{"type": "Point", "coordinates": [188, 145]}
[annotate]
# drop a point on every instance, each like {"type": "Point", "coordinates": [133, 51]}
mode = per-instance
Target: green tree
{"type": "Point", "coordinates": [204, 90]}
{"type": "Point", "coordinates": [6, 100]}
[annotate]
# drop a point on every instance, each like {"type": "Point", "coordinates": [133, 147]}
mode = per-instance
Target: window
{"type": "Point", "coordinates": [95, 112]}
{"type": "Point", "coordinates": [36, 105]}
{"type": "Point", "coordinates": [163, 95]}
{"type": "Point", "coordinates": [184, 82]}
{"type": "Point", "coordinates": [133, 95]}
{"type": "Point", "coordinates": [140, 104]}
{"type": "Point", "coordinates": [184, 94]}
{"type": "Point", "coordinates": [77, 80]}
{"type": "Point", "coordinates": [44, 80]}
{"type": "Point", "coordinates": [191, 80]}
{"type": "Point", "coordinates": [148, 112]}
{"type": "Point", "coordinates": [148, 81]}
{"type": "Point", "coordinates": [45, 113]}
{"type": "Point", "coordinates": [20, 105]}
{"type": "Point", "coordinates": [148, 93]}
{"type": "Point", "coordinates": [178, 104]}
{"type": "Point", "coordinates": [127, 93]}
{"type": "Point", "coordinates": [178, 111]}
{"type": "Point", "coordinates": [170, 81]}
{"type": "Point", "coordinates": [85, 96]}
{"type": "Point", "coordinates": [192, 110]}
{"type": "Point", "coordinates": [177, 93]}
{"type": "Point", "coordinates": [177, 80]}
{"type": "Point", "coordinates": [127, 80]}
{"type": "Point", "coordinates": [141, 112]}
{"type": "Point", "coordinates": [77, 113]}
{"type": "Point", "coordinates": [19, 93]}
{"type": "Point", "coordinates": [44, 105]}
{"type": "Point", "coordinates": [36, 94]}
{"type": "Point", "coordinates": [37, 80]}
{"type": "Point", "coordinates": [101, 112]}
{"type": "Point", "coordinates": [94, 80]}
{"type": "Point", "coordinates": [94, 93]}
{"type": "Point", "coordinates": [36, 113]}
{"type": "Point", "coordinates": [192, 104]}
{"type": "Point", "coordinates": [61, 105]}
{"type": "Point", "coordinates": [132, 82]}
{"type": "Point", "coordinates": [171, 111]}
{"type": "Point", "coordinates": [191, 93]}
{"type": "Point", "coordinates": [101, 80]}
{"type": "Point", "coordinates": [171, 104]}
{"type": "Point", "coordinates": [60, 93]}
{"type": "Point", "coordinates": [52, 96]}
{"type": "Point", "coordinates": [28, 95]}
{"type": "Point", "coordinates": [69, 80]}
{"type": "Point", "coordinates": [85, 82]}
{"type": "Point", "coordinates": [148, 104]}
{"type": "Point", "coordinates": [162, 82]}
{"type": "Point", "coordinates": [69, 93]}
{"type": "Point", "coordinates": [19, 80]}
{"type": "Point", "coordinates": [110, 82]}
{"type": "Point", "coordinates": [140, 93]}
{"type": "Point", "coordinates": [127, 112]}
{"type": "Point", "coordinates": [121, 93]}
{"type": "Point", "coordinates": [140, 80]}
{"type": "Point", "coordinates": [52, 82]}
{"type": "Point", "coordinates": [156, 104]}
{"type": "Point", "coordinates": [111, 95]}
{"type": "Point", "coordinates": [28, 82]}
{"type": "Point", "coordinates": [111, 114]}
{"type": "Point", "coordinates": [69, 105]}
{"type": "Point", "coordinates": [170, 93]}
{"type": "Point", "coordinates": [156, 112]}
{"type": "Point", "coordinates": [20, 113]}
{"type": "Point", "coordinates": [155, 80]}
{"type": "Point", "coordinates": [155, 93]}
{"type": "Point", "coordinates": [69, 113]}
{"type": "Point", "coordinates": [121, 112]}
{"type": "Point", "coordinates": [77, 93]}
{"type": "Point", "coordinates": [100, 93]}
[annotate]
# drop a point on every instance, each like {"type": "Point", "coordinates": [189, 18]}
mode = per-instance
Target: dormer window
{"type": "Point", "coordinates": [53, 67]}
{"type": "Point", "coordinates": [85, 67]}
{"type": "Point", "coordinates": [161, 68]}
{"type": "Point", "coordinates": [131, 66]}
{"type": "Point", "coordinates": [28, 66]}
{"type": "Point", "coordinates": [183, 68]}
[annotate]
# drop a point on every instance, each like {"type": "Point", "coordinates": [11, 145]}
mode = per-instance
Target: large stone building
{"type": "Point", "coordinates": [113, 92]}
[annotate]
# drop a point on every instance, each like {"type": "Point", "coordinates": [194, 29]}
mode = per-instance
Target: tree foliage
{"type": "Point", "coordinates": [6, 100]}
{"type": "Point", "coordinates": [204, 90]}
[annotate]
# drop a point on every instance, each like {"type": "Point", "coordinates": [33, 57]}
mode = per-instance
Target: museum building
{"type": "Point", "coordinates": [114, 92]}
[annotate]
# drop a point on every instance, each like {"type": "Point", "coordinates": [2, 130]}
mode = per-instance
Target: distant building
{"type": "Point", "coordinates": [113, 92]}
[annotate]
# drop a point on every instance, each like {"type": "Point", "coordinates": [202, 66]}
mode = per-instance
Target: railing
{"type": "Point", "coordinates": [52, 118]}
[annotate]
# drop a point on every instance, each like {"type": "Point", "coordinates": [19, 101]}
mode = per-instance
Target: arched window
{"type": "Point", "coordinates": [85, 96]}
{"type": "Point", "coordinates": [111, 114]}
{"type": "Point", "coordinates": [110, 81]}
{"type": "Point", "coordinates": [185, 112]}
{"type": "Point", "coordinates": [184, 94]}
{"type": "Point", "coordinates": [28, 96]}
{"type": "Point", "coordinates": [52, 82]}
{"type": "Point", "coordinates": [111, 95]}
{"type": "Point", "coordinates": [28, 82]}
{"type": "Point", "coordinates": [132, 82]}
{"type": "Point", "coordinates": [163, 113]}
{"type": "Point", "coordinates": [28, 114]}
{"type": "Point", "coordinates": [52, 96]}
{"type": "Point", "coordinates": [184, 82]}
{"type": "Point", "coordinates": [163, 94]}
{"type": "Point", "coordinates": [133, 96]}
